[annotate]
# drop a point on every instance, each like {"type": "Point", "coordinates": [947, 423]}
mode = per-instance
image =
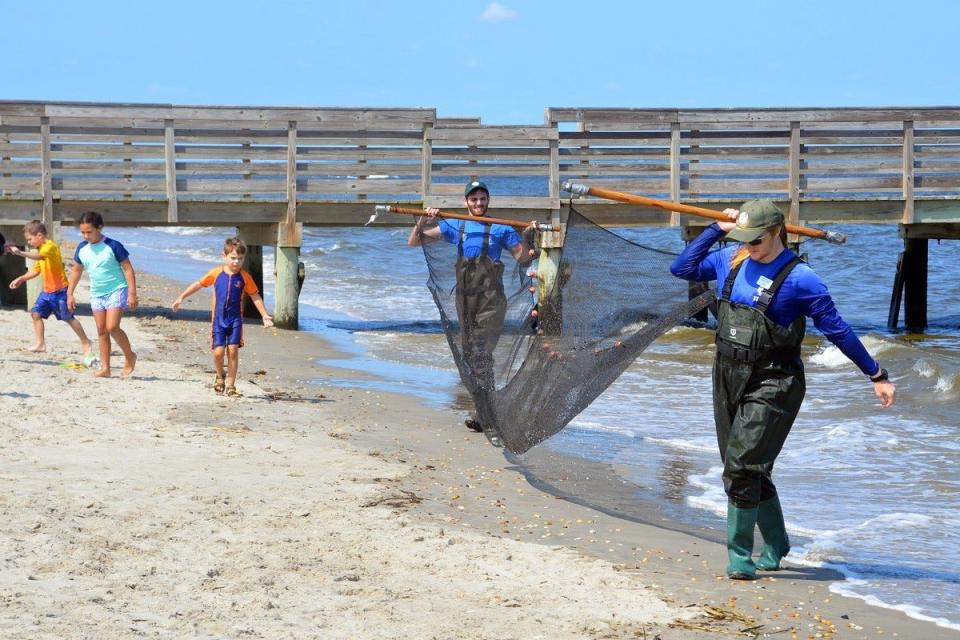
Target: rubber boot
{"type": "Point", "coordinates": [740, 525]}
{"type": "Point", "coordinates": [776, 544]}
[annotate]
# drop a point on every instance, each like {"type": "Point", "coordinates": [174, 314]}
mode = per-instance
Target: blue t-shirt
{"type": "Point", "coordinates": [102, 260]}
{"type": "Point", "coordinates": [803, 293]}
{"type": "Point", "coordinates": [501, 237]}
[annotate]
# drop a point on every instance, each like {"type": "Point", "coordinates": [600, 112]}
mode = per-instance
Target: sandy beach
{"type": "Point", "coordinates": [152, 507]}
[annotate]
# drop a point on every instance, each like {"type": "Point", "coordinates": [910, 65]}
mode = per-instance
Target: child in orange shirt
{"type": "Point", "coordinates": [53, 298]}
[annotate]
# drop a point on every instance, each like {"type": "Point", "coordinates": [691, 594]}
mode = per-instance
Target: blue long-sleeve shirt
{"type": "Point", "coordinates": [803, 293]}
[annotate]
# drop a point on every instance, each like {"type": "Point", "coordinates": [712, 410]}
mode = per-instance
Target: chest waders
{"type": "Point", "coordinates": [758, 386]}
{"type": "Point", "coordinates": [481, 308]}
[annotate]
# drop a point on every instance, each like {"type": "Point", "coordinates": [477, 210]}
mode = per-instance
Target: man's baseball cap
{"type": "Point", "coordinates": [472, 186]}
{"type": "Point", "coordinates": [756, 216]}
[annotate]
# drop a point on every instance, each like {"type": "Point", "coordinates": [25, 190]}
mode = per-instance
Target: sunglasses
{"type": "Point", "coordinates": [757, 241]}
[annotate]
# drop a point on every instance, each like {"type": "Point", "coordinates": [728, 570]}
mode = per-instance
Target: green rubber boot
{"type": "Point", "coordinates": [740, 525]}
{"type": "Point", "coordinates": [776, 544]}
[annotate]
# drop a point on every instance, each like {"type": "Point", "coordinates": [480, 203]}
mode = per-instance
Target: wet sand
{"type": "Point", "coordinates": [152, 507]}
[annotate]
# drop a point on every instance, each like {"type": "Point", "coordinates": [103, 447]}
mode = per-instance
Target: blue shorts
{"type": "Point", "coordinates": [114, 300]}
{"type": "Point", "coordinates": [227, 331]}
{"type": "Point", "coordinates": [55, 303]}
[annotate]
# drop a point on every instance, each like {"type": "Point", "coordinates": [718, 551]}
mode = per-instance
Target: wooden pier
{"type": "Point", "coordinates": [267, 171]}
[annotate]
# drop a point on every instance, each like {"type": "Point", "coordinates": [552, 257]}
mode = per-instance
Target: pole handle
{"type": "Point", "coordinates": [579, 189]}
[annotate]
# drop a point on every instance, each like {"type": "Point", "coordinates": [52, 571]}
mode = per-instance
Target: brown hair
{"type": "Point", "coordinates": [234, 243]}
{"type": "Point", "coordinates": [34, 227]}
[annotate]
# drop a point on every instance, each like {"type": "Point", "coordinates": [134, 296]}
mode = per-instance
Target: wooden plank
{"type": "Point", "coordinates": [61, 138]}
{"type": "Point", "coordinates": [357, 169]}
{"type": "Point", "coordinates": [448, 155]}
{"type": "Point", "coordinates": [496, 202]}
{"type": "Point", "coordinates": [351, 187]}
{"type": "Point", "coordinates": [600, 118]}
{"type": "Point", "coordinates": [639, 153]}
{"type": "Point", "coordinates": [21, 150]}
{"type": "Point", "coordinates": [948, 182]}
{"type": "Point", "coordinates": [854, 139]}
{"type": "Point", "coordinates": [46, 188]}
{"type": "Point", "coordinates": [675, 165]}
{"type": "Point", "coordinates": [588, 170]}
{"type": "Point", "coordinates": [493, 135]}
{"type": "Point", "coordinates": [737, 169]}
{"type": "Point", "coordinates": [939, 164]}
{"type": "Point", "coordinates": [8, 164]}
{"type": "Point", "coordinates": [853, 183]}
{"type": "Point", "coordinates": [290, 231]}
{"type": "Point", "coordinates": [706, 153]}
{"type": "Point", "coordinates": [15, 185]}
{"type": "Point", "coordinates": [745, 185]}
{"type": "Point", "coordinates": [170, 169]}
{"type": "Point", "coordinates": [94, 151]}
{"type": "Point", "coordinates": [117, 183]}
{"type": "Point", "coordinates": [935, 150]}
{"type": "Point", "coordinates": [811, 151]}
{"type": "Point", "coordinates": [426, 162]}
{"type": "Point", "coordinates": [230, 186]}
{"type": "Point", "coordinates": [469, 173]}
{"type": "Point", "coordinates": [857, 167]}
{"type": "Point", "coordinates": [793, 178]}
{"type": "Point", "coordinates": [339, 117]}
{"type": "Point", "coordinates": [908, 177]}
{"type": "Point", "coordinates": [115, 167]}
{"type": "Point", "coordinates": [553, 180]}
{"type": "Point", "coordinates": [356, 154]}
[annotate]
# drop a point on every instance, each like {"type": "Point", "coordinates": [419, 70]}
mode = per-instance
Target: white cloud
{"type": "Point", "coordinates": [496, 12]}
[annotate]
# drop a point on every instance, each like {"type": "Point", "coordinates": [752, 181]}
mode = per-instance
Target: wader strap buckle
{"type": "Point", "coordinates": [750, 356]}
{"type": "Point", "coordinates": [740, 354]}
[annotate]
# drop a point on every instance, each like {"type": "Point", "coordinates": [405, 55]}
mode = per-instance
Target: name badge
{"type": "Point", "coordinates": [764, 281]}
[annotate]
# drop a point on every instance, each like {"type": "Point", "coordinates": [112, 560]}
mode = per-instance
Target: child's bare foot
{"type": "Point", "coordinates": [129, 365]}
{"type": "Point", "coordinates": [37, 348]}
{"type": "Point", "coordinates": [101, 373]}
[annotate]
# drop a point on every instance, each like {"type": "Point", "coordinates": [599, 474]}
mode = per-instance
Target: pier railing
{"type": "Point", "coordinates": [166, 164]}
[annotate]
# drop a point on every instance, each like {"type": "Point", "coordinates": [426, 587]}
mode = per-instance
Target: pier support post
{"type": "Point", "coordinates": [27, 294]}
{"type": "Point", "coordinates": [253, 264]}
{"type": "Point", "coordinates": [255, 236]}
{"type": "Point", "coordinates": [915, 283]}
{"type": "Point", "coordinates": [12, 267]}
{"type": "Point", "coordinates": [549, 298]}
{"type": "Point", "coordinates": [286, 314]}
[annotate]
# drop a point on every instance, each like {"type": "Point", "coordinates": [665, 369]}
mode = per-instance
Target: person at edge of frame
{"type": "Point", "coordinates": [765, 295]}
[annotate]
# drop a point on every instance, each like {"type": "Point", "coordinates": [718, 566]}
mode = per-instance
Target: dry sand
{"type": "Point", "coordinates": [152, 507]}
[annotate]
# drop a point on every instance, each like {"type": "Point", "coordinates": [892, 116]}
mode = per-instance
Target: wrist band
{"type": "Point", "coordinates": [881, 377]}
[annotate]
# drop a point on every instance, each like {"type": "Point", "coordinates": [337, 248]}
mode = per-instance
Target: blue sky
{"type": "Point", "coordinates": [503, 61]}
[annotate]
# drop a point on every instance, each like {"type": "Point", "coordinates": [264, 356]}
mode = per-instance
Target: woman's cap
{"type": "Point", "coordinates": [756, 216]}
{"type": "Point", "coordinates": [472, 186]}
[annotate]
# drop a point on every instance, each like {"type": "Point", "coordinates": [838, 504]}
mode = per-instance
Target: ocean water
{"type": "Point", "coordinates": [874, 493]}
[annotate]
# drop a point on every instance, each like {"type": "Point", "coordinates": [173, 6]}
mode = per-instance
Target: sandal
{"type": "Point", "coordinates": [233, 393]}
{"type": "Point", "coordinates": [218, 383]}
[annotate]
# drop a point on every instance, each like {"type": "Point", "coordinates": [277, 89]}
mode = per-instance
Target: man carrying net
{"type": "Point", "coordinates": [480, 300]}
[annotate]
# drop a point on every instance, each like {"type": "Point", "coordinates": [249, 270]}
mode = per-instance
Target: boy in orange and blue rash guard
{"type": "Point", "coordinates": [230, 282]}
{"type": "Point", "coordinates": [53, 298]}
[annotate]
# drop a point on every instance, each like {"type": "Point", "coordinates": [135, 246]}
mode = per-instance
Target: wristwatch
{"type": "Point", "coordinates": [880, 377]}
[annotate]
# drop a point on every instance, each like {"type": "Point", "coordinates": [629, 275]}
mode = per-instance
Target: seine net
{"type": "Point", "coordinates": [530, 376]}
